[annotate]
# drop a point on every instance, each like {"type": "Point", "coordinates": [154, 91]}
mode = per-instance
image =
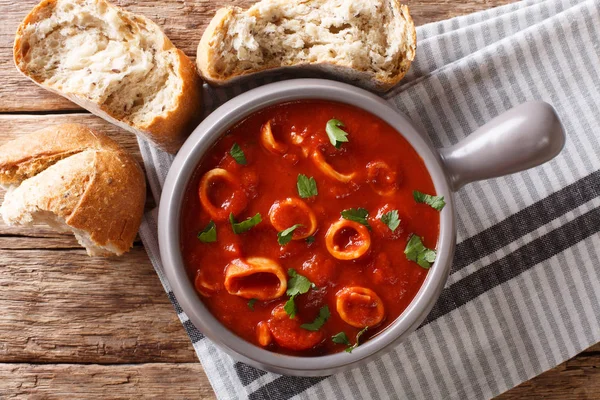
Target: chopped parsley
{"type": "Point", "coordinates": [436, 202]}
{"type": "Point", "coordinates": [391, 219]}
{"type": "Point", "coordinates": [310, 239]}
{"type": "Point", "coordinates": [341, 338]}
{"type": "Point", "coordinates": [208, 234]}
{"type": "Point", "coordinates": [336, 135]}
{"type": "Point", "coordinates": [417, 252]}
{"type": "Point", "coordinates": [307, 187]}
{"type": "Point", "coordinates": [285, 236]}
{"type": "Point", "coordinates": [246, 225]}
{"type": "Point", "coordinates": [357, 215]}
{"type": "Point", "coordinates": [290, 307]}
{"type": "Point", "coordinates": [319, 321]}
{"type": "Point", "coordinates": [297, 284]}
{"type": "Point", "coordinates": [238, 154]}
{"type": "Point", "coordinates": [251, 304]}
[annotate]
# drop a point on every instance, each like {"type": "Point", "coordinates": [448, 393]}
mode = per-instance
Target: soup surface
{"type": "Point", "coordinates": [309, 226]}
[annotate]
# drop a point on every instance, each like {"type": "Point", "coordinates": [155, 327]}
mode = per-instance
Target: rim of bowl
{"type": "Point", "coordinates": [190, 155]}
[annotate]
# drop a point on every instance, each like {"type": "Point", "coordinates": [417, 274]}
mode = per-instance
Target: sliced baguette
{"type": "Point", "coordinates": [118, 65]}
{"type": "Point", "coordinates": [74, 179]}
{"type": "Point", "coordinates": [370, 43]}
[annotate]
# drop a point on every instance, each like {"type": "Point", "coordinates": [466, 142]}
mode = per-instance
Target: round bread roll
{"type": "Point", "coordinates": [74, 179]}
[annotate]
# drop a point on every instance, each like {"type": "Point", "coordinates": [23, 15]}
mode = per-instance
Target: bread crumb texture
{"type": "Point", "coordinates": [372, 36]}
{"type": "Point", "coordinates": [74, 180]}
{"type": "Point", "coordinates": [99, 55]}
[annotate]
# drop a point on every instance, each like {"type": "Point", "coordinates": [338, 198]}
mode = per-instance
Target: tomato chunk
{"type": "Point", "coordinates": [287, 332]}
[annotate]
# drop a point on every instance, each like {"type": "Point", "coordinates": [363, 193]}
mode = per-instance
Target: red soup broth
{"type": "Point", "coordinates": [381, 170]}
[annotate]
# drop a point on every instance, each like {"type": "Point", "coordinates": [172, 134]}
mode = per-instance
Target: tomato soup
{"type": "Point", "coordinates": [309, 227]}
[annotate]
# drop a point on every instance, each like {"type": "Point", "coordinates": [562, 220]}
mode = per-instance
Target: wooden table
{"type": "Point", "coordinates": [74, 326]}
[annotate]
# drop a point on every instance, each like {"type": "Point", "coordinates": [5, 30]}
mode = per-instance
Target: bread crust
{"type": "Point", "coordinates": [82, 177]}
{"type": "Point", "coordinates": [205, 55]}
{"type": "Point", "coordinates": [167, 131]}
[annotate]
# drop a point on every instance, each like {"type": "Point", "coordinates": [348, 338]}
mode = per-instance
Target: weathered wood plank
{"type": "Point", "coordinates": [142, 381]}
{"type": "Point", "coordinates": [63, 306]}
{"type": "Point", "coordinates": [576, 379]}
{"type": "Point", "coordinates": [182, 21]}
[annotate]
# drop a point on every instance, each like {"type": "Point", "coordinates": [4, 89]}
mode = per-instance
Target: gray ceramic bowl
{"type": "Point", "coordinates": [523, 137]}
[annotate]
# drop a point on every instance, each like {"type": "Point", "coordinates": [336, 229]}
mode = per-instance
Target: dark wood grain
{"type": "Point", "coordinates": [61, 306]}
{"type": "Point", "coordinates": [69, 381]}
{"type": "Point", "coordinates": [76, 327]}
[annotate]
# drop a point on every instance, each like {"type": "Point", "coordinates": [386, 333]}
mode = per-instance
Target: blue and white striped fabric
{"type": "Point", "coordinates": [523, 294]}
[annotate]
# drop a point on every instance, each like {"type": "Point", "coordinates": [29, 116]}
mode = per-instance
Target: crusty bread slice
{"type": "Point", "coordinates": [367, 42]}
{"type": "Point", "coordinates": [74, 179]}
{"type": "Point", "coordinates": [118, 65]}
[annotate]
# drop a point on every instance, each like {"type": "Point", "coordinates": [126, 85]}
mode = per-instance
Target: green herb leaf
{"type": "Point", "coordinates": [310, 239]}
{"type": "Point", "coordinates": [297, 284]}
{"type": "Point", "coordinates": [341, 338]}
{"type": "Point", "coordinates": [251, 304]}
{"type": "Point", "coordinates": [290, 307]}
{"type": "Point", "coordinates": [358, 335]}
{"type": "Point", "coordinates": [307, 187]}
{"type": "Point", "coordinates": [417, 252]}
{"type": "Point", "coordinates": [337, 136]}
{"type": "Point", "coordinates": [285, 236]}
{"type": "Point", "coordinates": [357, 215]}
{"type": "Point", "coordinates": [436, 202]}
{"type": "Point", "coordinates": [238, 154]}
{"type": "Point", "coordinates": [208, 234]}
{"type": "Point", "coordinates": [319, 321]}
{"type": "Point", "coordinates": [246, 225]}
{"type": "Point", "coordinates": [391, 219]}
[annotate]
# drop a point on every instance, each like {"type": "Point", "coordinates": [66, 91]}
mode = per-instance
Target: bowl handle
{"type": "Point", "coordinates": [523, 137]}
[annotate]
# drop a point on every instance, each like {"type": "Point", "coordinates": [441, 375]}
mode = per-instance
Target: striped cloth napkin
{"type": "Point", "coordinates": [523, 293]}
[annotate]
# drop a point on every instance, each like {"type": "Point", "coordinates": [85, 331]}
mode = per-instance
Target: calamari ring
{"type": "Point", "coordinates": [287, 331]}
{"type": "Point", "coordinates": [255, 278]}
{"type": "Point", "coordinates": [382, 178]}
{"type": "Point", "coordinates": [356, 238]}
{"type": "Point", "coordinates": [328, 170]}
{"type": "Point", "coordinates": [291, 211]}
{"type": "Point", "coordinates": [203, 286]}
{"type": "Point", "coordinates": [235, 203]}
{"type": "Point", "coordinates": [263, 334]}
{"type": "Point", "coordinates": [359, 306]}
{"type": "Point", "coordinates": [268, 140]}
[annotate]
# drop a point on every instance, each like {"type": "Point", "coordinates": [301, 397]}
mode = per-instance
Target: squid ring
{"type": "Point", "coordinates": [203, 286]}
{"type": "Point", "coordinates": [359, 306]}
{"type": "Point", "coordinates": [356, 236]}
{"type": "Point", "coordinates": [235, 203]}
{"type": "Point", "coordinates": [381, 177]}
{"type": "Point", "coordinates": [286, 213]}
{"type": "Point", "coordinates": [255, 278]}
{"type": "Point", "coordinates": [263, 334]}
{"type": "Point", "coordinates": [328, 170]}
{"type": "Point", "coordinates": [268, 140]}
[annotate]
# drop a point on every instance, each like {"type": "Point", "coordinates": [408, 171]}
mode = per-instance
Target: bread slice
{"type": "Point", "coordinates": [118, 65]}
{"type": "Point", "coordinates": [370, 43]}
{"type": "Point", "coordinates": [74, 179]}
